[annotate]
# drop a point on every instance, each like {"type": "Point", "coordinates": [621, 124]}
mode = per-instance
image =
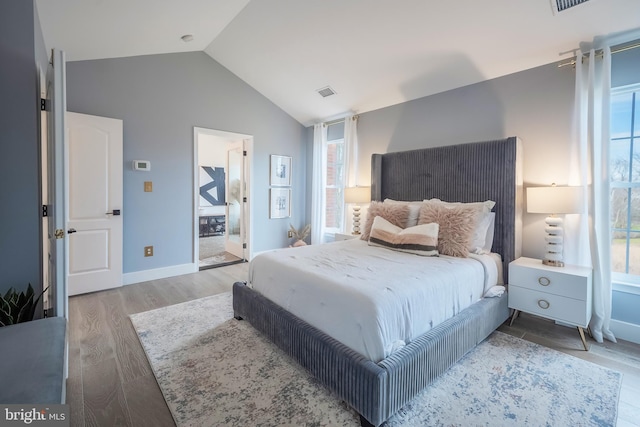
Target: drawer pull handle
{"type": "Point", "coordinates": [544, 281]}
{"type": "Point", "coordinates": [543, 304]}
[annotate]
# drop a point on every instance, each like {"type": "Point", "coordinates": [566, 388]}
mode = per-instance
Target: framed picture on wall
{"type": "Point", "coordinates": [280, 171]}
{"type": "Point", "coordinates": [280, 203]}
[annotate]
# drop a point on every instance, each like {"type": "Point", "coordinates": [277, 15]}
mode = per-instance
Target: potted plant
{"type": "Point", "coordinates": [299, 236]}
{"type": "Point", "coordinates": [18, 307]}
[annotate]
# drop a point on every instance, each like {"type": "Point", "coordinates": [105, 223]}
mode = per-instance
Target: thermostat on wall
{"type": "Point", "coordinates": [142, 165]}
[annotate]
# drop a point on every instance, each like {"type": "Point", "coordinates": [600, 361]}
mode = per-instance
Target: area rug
{"type": "Point", "coordinates": [214, 370]}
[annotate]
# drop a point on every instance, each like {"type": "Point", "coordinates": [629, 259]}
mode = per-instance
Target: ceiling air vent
{"type": "Point", "coordinates": [326, 91]}
{"type": "Point", "coordinates": [561, 5]}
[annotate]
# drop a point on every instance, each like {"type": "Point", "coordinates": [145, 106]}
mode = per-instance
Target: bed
{"type": "Point", "coordinates": [377, 380]}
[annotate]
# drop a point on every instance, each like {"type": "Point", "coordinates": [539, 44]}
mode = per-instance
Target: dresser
{"type": "Point", "coordinates": [563, 294]}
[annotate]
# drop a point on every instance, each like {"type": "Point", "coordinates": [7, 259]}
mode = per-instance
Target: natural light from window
{"type": "Point", "coordinates": [334, 207]}
{"type": "Point", "coordinates": [625, 184]}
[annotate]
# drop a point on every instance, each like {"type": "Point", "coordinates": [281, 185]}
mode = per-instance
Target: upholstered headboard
{"type": "Point", "coordinates": [490, 170]}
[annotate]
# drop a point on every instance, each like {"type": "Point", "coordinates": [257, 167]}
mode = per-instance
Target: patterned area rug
{"type": "Point", "coordinates": [216, 371]}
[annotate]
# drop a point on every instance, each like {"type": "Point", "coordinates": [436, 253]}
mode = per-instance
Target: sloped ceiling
{"type": "Point", "coordinates": [373, 53]}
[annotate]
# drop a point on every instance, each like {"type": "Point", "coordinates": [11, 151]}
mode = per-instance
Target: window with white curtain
{"type": "Point", "coordinates": [334, 193]}
{"type": "Point", "coordinates": [624, 165]}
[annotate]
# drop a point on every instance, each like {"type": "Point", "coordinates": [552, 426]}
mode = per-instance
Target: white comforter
{"type": "Point", "coordinates": [371, 299]}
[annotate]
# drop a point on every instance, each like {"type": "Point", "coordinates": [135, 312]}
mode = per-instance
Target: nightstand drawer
{"type": "Point", "coordinates": [553, 282]}
{"type": "Point", "coordinates": [551, 306]}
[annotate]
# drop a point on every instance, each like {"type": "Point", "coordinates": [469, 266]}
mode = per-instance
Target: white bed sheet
{"type": "Point", "coordinates": [373, 300]}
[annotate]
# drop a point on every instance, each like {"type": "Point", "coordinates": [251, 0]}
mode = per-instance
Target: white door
{"type": "Point", "coordinates": [94, 215]}
{"type": "Point", "coordinates": [235, 242]}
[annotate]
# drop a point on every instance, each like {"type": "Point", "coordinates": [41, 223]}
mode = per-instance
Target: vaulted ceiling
{"type": "Point", "coordinates": [372, 53]}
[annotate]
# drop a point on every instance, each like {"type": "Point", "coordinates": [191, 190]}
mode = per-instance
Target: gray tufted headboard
{"type": "Point", "coordinates": [489, 170]}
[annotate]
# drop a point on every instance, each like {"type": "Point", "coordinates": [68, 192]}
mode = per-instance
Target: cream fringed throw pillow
{"type": "Point", "coordinates": [457, 225]}
{"type": "Point", "coordinates": [420, 239]}
{"type": "Point", "coordinates": [395, 214]}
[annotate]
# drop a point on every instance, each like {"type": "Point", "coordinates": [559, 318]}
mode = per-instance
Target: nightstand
{"type": "Point", "coordinates": [558, 293]}
{"type": "Point", "coordinates": [341, 236]}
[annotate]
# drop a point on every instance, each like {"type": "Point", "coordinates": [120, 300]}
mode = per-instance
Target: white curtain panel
{"type": "Point", "coordinates": [351, 151]}
{"type": "Point", "coordinates": [318, 183]}
{"type": "Point", "coordinates": [350, 165]}
{"type": "Point", "coordinates": [591, 234]}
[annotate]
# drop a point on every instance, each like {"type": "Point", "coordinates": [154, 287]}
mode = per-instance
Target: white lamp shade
{"type": "Point", "coordinates": [357, 194]}
{"type": "Point", "coordinates": [554, 200]}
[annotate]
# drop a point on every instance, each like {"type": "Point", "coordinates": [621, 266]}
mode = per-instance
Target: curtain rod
{"type": "Point", "coordinates": [599, 54]}
{"type": "Point", "coordinates": [333, 122]}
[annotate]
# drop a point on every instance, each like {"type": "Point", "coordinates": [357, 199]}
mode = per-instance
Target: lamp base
{"type": "Point", "coordinates": [553, 263]}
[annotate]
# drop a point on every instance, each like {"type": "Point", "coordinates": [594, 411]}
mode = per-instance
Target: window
{"type": "Point", "coordinates": [334, 195]}
{"type": "Point", "coordinates": [625, 184]}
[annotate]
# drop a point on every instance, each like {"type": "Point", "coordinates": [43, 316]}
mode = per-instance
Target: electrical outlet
{"type": "Point", "coordinates": [290, 234]}
{"type": "Point", "coordinates": [148, 251]}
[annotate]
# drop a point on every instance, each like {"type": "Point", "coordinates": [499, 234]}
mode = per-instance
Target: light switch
{"type": "Point", "coordinates": [148, 186]}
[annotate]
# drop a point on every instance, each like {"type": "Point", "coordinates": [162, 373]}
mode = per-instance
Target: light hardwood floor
{"type": "Point", "coordinates": [111, 384]}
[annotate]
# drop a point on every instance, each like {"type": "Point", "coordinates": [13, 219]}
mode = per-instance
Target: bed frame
{"type": "Point", "coordinates": [466, 172]}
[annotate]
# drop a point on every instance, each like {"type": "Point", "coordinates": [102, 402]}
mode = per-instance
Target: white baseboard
{"type": "Point", "coordinates": [158, 273]}
{"type": "Point", "coordinates": [625, 331]}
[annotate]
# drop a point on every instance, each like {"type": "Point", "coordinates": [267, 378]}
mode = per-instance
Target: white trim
{"type": "Point", "coordinates": [625, 331]}
{"type": "Point", "coordinates": [627, 288]}
{"type": "Point", "coordinates": [158, 273]}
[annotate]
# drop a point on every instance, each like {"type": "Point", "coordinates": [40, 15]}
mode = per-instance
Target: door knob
{"type": "Point", "coordinates": [114, 212]}
{"type": "Point", "coordinates": [71, 230]}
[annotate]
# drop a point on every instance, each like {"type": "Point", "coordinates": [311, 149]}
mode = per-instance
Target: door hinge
{"type": "Point", "coordinates": [244, 246]}
{"type": "Point", "coordinates": [244, 153]}
{"type": "Point", "coordinates": [43, 104]}
{"type": "Point", "coordinates": [244, 199]}
{"type": "Point", "coordinates": [45, 210]}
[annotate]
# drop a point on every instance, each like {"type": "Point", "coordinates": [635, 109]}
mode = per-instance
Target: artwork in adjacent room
{"type": "Point", "coordinates": [212, 191]}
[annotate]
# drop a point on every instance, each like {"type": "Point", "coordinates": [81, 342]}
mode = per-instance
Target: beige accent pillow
{"type": "Point", "coordinates": [457, 225]}
{"type": "Point", "coordinates": [396, 214]}
{"type": "Point", "coordinates": [414, 210]}
{"type": "Point", "coordinates": [420, 239]}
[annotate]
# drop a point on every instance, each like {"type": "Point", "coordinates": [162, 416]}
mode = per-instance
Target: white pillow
{"type": "Point", "coordinates": [486, 206]}
{"type": "Point", "coordinates": [414, 211]}
{"type": "Point", "coordinates": [483, 233]}
{"type": "Point", "coordinates": [419, 240]}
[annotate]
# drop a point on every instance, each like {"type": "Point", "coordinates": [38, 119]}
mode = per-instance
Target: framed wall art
{"type": "Point", "coordinates": [280, 175]}
{"type": "Point", "coordinates": [280, 203]}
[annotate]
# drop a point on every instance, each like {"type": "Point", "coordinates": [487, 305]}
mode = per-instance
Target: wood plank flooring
{"type": "Point", "coordinates": [111, 383]}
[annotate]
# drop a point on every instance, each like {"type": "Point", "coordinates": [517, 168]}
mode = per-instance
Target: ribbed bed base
{"type": "Point", "coordinates": [375, 390]}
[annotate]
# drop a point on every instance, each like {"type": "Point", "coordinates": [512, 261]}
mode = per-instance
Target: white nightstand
{"type": "Point", "coordinates": [341, 236]}
{"type": "Point", "coordinates": [558, 293]}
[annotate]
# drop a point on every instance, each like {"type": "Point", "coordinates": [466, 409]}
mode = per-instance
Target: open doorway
{"type": "Point", "coordinates": [222, 206]}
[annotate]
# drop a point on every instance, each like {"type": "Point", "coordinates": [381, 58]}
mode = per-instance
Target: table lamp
{"type": "Point", "coordinates": [554, 200]}
{"type": "Point", "coordinates": [357, 196]}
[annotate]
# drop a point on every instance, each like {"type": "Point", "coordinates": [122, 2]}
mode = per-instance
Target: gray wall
{"type": "Point", "coordinates": [20, 253]}
{"type": "Point", "coordinates": [160, 98]}
{"type": "Point", "coordinates": [535, 105]}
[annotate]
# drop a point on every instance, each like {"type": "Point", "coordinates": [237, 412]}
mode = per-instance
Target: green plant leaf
{"type": "Point", "coordinates": [4, 306]}
{"type": "Point", "coordinates": [25, 313]}
{"type": "Point", "coordinates": [5, 318]}
{"type": "Point", "coordinates": [10, 292]}
{"type": "Point", "coordinates": [30, 291]}
{"type": "Point", "coordinates": [35, 303]}
{"type": "Point", "coordinates": [14, 311]}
